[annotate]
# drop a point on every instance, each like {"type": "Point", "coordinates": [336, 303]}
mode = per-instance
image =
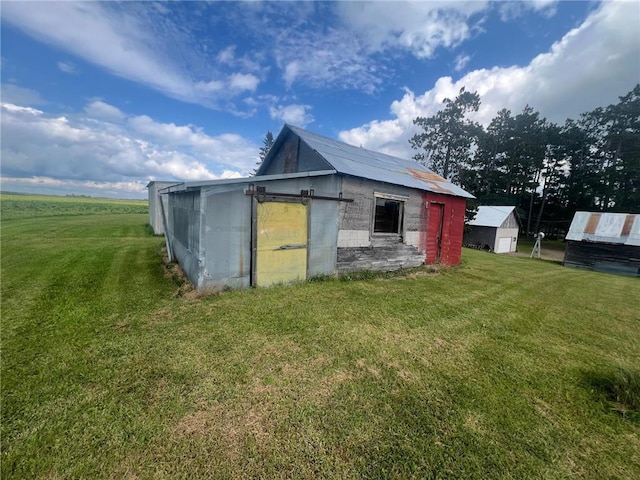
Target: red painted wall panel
{"type": "Point", "coordinates": [452, 209]}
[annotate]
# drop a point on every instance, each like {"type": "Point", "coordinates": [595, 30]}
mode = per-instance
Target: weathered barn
{"type": "Point", "coordinates": [156, 203]}
{"type": "Point", "coordinates": [316, 206]}
{"type": "Point", "coordinates": [604, 242]}
{"type": "Point", "coordinates": [494, 228]}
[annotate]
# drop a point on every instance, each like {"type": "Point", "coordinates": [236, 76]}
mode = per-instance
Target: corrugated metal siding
{"type": "Point", "coordinates": [227, 236]}
{"type": "Point", "coordinates": [185, 221]}
{"type": "Point", "coordinates": [360, 162]}
{"type": "Point", "coordinates": [618, 228]}
{"type": "Point", "coordinates": [493, 216]}
{"type": "Point", "coordinates": [155, 210]}
{"type": "Point", "coordinates": [226, 233]}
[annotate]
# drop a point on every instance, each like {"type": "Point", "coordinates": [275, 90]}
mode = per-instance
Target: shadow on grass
{"type": "Point", "coordinates": [619, 386]}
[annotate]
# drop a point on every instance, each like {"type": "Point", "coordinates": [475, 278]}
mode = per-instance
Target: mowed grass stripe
{"type": "Point", "coordinates": [500, 368]}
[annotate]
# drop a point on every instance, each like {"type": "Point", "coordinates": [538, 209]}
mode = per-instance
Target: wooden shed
{"type": "Point", "coordinates": [316, 206]}
{"type": "Point", "coordinates": [604, 242]}
{"type": "Point", "coordinates": [494, 228]}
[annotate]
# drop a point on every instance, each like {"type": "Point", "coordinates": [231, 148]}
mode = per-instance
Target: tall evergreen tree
{"type": "Point", "coordinates": [447, 137]}
{"type": "Point", "coordinates": [264, 150]}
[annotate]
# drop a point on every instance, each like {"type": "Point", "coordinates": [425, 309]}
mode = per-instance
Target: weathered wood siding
{"type": "Point", "coordinates": [603, 257]}
{"type": "Point", "coordinates": [361, 249]}
{"type": "Point", "coordinates": [484, 237]}
{"type": "Point", "coordinates": [295, 156]}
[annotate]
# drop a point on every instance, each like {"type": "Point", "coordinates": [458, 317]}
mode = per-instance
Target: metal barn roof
{"type": "Point", "coordinates": [363, 163]}
{"type": "Point", "coordinates": [621, 228]}
{"type": "Point", "coordinates": [490, 216]}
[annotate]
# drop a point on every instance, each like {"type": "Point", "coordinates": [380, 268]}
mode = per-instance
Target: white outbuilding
{"type": "Point", "coordinates": [494, 228]}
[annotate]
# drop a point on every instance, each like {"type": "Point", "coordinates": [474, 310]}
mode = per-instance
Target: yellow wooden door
{"type": "Point", "coordinates": [281, 243]}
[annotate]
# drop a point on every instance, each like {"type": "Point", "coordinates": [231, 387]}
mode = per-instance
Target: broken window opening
{"type": "Point", "coordinates": [388, 216]}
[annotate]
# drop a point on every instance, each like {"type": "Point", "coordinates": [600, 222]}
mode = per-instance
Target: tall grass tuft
{"type": "Point", "coordinates": [621, 387]}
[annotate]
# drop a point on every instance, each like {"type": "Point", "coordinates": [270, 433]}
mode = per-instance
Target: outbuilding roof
{"type": "Point", "coordinates": [621, 228]}
{"type": "Point", "coordinates": [491, 216]}
{"type": "Point", "coordinates": [361, 162]}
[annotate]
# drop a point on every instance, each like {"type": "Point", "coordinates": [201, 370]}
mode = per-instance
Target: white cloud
{"type": "Point", "coordinates": [589, 67]}
{"type": "Point", "coordinates": [293, 114]}
{"type": "Point", "coordinates": [129, 40]}
{"type": "Point", "coordinates": [420, 27]}
{"type": "Point", "coordinates": [347, 55]}
{"type": "Point", "coordinates": [243, 82]}
{"type": "Point", "coordinates": [67, 67]}
{"type": "Point", "coordinates": [103, 111]}
{"type": "Point", "coordinates": [105, 146]}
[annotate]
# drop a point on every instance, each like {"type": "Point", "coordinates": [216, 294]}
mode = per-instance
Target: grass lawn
{"type": "Point", "coordinates": [503, 367]}
{"type": "Point", "coordinates": [526, 244]}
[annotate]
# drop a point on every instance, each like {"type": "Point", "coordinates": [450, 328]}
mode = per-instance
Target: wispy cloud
{"type": "Point", "coordinates": [141, 44]}
{"type": "Point", "coordinates": [461, 62]}
{"type": "Point", "coordinates": [419, 27]}
{"type": "Point", "coordinates": [510, 10]}
{"type": "Point", "coordinates": [15, 94]}
{"type": "Point", "coordinates": [67, 67]}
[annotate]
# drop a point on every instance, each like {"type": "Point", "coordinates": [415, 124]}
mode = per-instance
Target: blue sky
{"type": "Point", "coordinates": [100, 98]}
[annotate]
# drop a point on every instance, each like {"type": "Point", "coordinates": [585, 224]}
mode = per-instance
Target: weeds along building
{"type": "Point", "coordinates": [604, 242]}
{"type": "Point", "coordinates": [316, 206]}
{"type": "Point", "coordinates": [495, 228]}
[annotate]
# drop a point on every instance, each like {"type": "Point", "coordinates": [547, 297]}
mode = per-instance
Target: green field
{"type": "Point", "coordinates": [13, 206]}
{"type": "Point", "coordinates": [503, 367]}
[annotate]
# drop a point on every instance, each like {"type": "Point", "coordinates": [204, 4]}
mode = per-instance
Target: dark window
{"type": "Point", "coordinates": [388, 216]}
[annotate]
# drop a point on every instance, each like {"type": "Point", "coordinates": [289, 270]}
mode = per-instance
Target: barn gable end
{"type": "Point", "coordinates": [494, 228]}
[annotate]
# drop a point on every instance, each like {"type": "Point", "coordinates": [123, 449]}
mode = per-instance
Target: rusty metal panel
{"type": "Point", "coordinates": [626, 228]}
{"type": "Point", "coordinates": [620, 228]}
{"type": "Point", "coordinates": [634, 233]}
{"type": "Point", "coordinates": [592, 223]}
{"type": "Point", "coordinates": [281, 239]}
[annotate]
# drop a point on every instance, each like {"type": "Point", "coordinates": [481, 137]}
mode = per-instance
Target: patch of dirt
{"type": "Point", "coordinates": [160, 316]}
{"type": "Point", "coordinates": [473, 422]}
{"type": "Point", "coordinates": [193, 424]}
{"type": "Point", "coordinates": [370, 370]}
{"type": "Point", "coordinates": [545, 254]}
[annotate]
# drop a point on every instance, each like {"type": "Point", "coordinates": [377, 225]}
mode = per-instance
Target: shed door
{"type": "Point", "coordinates": [504, 245]}
{"type": "Point", "coordinates": [281, 243]}
{"type": "Point", "coordinates": [436, 220]}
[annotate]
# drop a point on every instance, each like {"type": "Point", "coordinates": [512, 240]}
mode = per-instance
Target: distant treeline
{"type": "Point", "coordinates": [548, 171]}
